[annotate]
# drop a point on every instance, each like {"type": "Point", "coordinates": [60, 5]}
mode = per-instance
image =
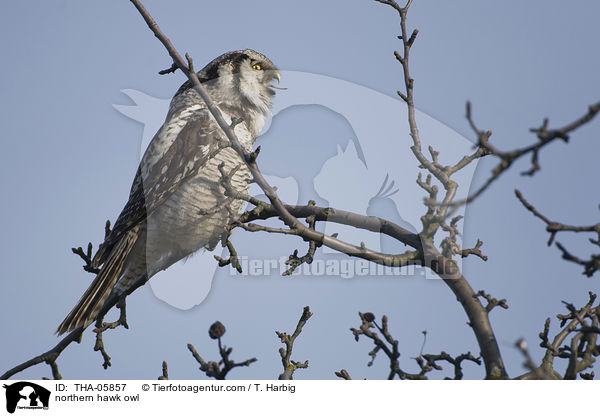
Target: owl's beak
{"type": "Point", "coordinates": [278, 77]}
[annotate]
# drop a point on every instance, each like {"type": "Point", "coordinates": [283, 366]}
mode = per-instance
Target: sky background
{"type": "Point", "coordinates": [69, 158]}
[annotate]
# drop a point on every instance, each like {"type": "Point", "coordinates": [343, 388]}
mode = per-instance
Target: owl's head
{"type": "Point", "coordinates": [241, 79]}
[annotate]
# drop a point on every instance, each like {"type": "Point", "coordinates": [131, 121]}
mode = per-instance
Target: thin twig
{"type": "Point", "coordinates": [290, 366]}
{"type": "Point", "coordinates": [218, 369]}
{"type": "Point", "coordinates": [165, 372]}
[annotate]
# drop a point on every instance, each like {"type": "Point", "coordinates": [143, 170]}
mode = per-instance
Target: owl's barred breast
{"type": "Point", "coordinates": [196, 215]}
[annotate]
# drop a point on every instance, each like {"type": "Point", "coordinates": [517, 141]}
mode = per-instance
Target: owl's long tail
{"type": "Point", "coordinates": [90, 304]}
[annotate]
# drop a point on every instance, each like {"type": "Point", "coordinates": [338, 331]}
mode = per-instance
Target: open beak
{"type": "Point", "coordinates": [277, 76]}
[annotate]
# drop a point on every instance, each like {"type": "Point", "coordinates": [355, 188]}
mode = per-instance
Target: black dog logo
{"type": "Point", "coordinates": [30, 393]}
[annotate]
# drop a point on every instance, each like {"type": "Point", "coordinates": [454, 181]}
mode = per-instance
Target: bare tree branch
{"type": "Point", "coordinates": [589, 266]}
{"type": "Point", "coordinates": [582, 325]}
{"type": "Point", "coordinates": [343, 374]}
{"type": "Point", "coordinates": [389, 346]}
{"type": "Point", "coordinates": [52, 355]}
{"type": "Point", "coordinates": [507, 158]}
{"type": "Point", "coordinates": [87, 258]}
{"type": "Point", "coordinates": [491, 301]}
{"type": "Point", "coordinates": [218, 369]}
{"type": "Point", "coordinates": [165, 372]}
{"type": "Point", "coordinates": [289, 365]}
{"type": "Point", "coordinates": [435, 218]}
{"type": "Point", "coordinates": [101, 327]}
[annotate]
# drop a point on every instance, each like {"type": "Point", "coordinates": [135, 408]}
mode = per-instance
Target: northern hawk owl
{"type": "Point", "coordinates": [177, 204]}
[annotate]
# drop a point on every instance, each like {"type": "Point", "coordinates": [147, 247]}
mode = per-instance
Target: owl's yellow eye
{"type": "Point", "coordinates": [258, 67]}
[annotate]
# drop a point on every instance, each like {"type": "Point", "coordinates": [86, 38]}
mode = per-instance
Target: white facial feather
{"type": "Point", "coordinates": [249, 86]}
{"type": "Point", "coordinates": [253, 88]}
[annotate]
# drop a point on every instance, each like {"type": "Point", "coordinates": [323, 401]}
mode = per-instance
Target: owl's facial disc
{"type": "Point", "coordinates": [256, 74]}
{"type": "Point", "coordinates": [266, 73]}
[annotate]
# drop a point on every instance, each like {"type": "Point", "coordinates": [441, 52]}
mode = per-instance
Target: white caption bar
{"type": "Point", "coordinates": [139, 397]}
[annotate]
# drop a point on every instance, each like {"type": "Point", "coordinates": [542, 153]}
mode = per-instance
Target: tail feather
{"type": "Point", "coordinates": [88, 307]}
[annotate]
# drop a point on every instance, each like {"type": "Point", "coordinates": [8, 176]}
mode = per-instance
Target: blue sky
{"type": "Point", "coordinates": [69, 158]}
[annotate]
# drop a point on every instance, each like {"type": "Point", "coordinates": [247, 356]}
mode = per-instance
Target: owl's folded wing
{"type": "Point", "coordinates": [194, 145]}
